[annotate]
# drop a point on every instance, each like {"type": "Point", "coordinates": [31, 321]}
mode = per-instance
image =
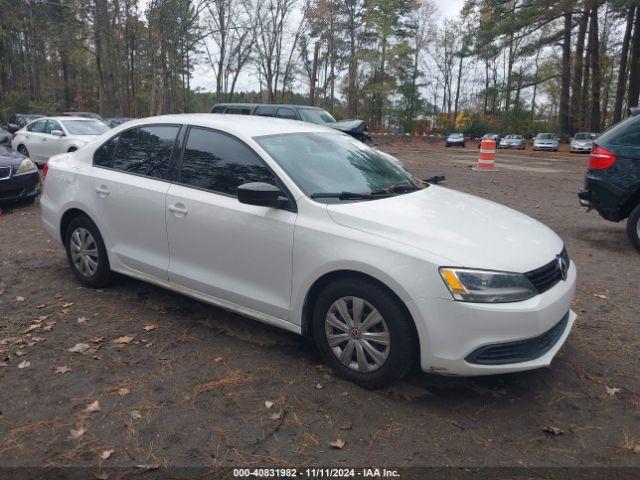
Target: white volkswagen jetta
{"type": "Point", "coordinates": [305, 228]}
{"type": "Point", "coordinates": [50, 136]}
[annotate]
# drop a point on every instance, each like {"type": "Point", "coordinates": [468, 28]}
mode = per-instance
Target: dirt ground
{"type": "Point", "coordinates": [180, 383]}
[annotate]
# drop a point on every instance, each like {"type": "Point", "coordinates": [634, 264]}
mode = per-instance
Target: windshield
{"type": "Point", "coordinates": [321, 163]}
{"type": "Point", "coordinates": [456, 135]}
{"type": "Point", "coordinates": [546, 136]}
{"type": "Point", "coordinates": [513, 137]}
{"type": "Point", "coordinates": [316, 115]}
{"type": "Point", "coordinates": [583, 136]}
{"type": "Point", "coordinates": [85, 127]}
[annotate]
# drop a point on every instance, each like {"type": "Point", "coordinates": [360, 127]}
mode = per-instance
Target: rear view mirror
{"type": "Point", "coordinates": [57, 133]}
{"type": "Point", "coordinates": [260, 193]}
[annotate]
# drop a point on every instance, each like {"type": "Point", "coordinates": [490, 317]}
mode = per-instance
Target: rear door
{"type": "Point", "coordinates": [33, 136]}
{"type": "Point", "coordinates": [130, 183]}
{"type": "Point", "coordinates": [220, 247]}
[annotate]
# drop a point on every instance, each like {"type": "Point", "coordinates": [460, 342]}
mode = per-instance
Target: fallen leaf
{"type": "Point", "coordinates": [32, 327]}
{"type": "Point", "coordinates": [58, 296]}
{"type": "Point", "coordinates": [19, 299]}
{"type": "Point", "coordinates": [20, 353]}
{"type": "Point", "coordinates": [101, 476]}
{"type": "Point", "coordinates": [81, 319]}
{"type": "Point", "coordinates": [41, 306]}
{"type": "Point", "coordinates": [80, 348]}
{"type": "Point", "coordinates": [268, 403]}
{"type": "Point", "coordinates": [123, 340]}
{"type": "Point", "coordinates": [104, 455]}
{"type": "Point", "coordinates": [337, 443]}
{"type": "Point", "coordinates": [123, 391]}
{"type": "Point", "coordinates": [599, 295]}
{"type": "Point", "coordinates": [4, 364]}
{"type": "Point", "coordinates": [93, 407]}
{"type": "Point", "coordinates": [275, 416]}
{"type": "Point", "coordinates": [97, 340]}
{"type": "Point", "coordinates": [67, 305]}
{"type": "Point", "coordinates": [218, 359]}
{"type": "Point", "coordinates": [78, 432]}
{"type": "Point", "coordinates": [346, 426]}
{"type": "Point", "coordinates": [48, 327]}
{"type": "Point", "coordinates": [636, 449]}
{"type": "Point", "coordinates": [555, 431]}
{"type": "Point", "coordinates": [318, 386]}
{"type": "Point", "coordinates": [150, 327]}
{"type": "Point", "coordinates": [135, 415]}
{"type": "Point", "coordinates": [24, 364]}
{"type": "Point", "coordinates": [42, 318]}
{"type": "Point", "coordinates": [612, 391]}
{"type": "Point", "coordinates": [63, 369]}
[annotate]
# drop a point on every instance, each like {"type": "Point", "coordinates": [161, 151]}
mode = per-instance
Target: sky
{"type": "Point", "coordinates": [204, 79]}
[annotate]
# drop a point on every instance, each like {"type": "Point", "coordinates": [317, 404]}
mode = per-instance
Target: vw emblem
{"type": "Point", "coordinates": [563, 266]}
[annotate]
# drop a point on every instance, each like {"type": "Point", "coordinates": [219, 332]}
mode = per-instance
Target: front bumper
{"type": "Point", "coordinates": [544, 147]}
{"type": "Point", "coordinates": [451, 332]}
{"type": "Point", "coordinates": [580, 149]}
{"type": "Point", "coordinates": [20, 187]}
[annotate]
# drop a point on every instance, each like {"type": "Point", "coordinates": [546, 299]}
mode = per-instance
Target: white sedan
{"type": "Point", "coordinates": [50, 136]}
{"type": "Point", "coordinates": [307, 229]}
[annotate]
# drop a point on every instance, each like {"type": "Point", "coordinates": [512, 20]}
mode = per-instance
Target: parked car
{"type": "Point", "coordinates": [19, 178]}
{"type": "Point", "coordinates": [114, 122]}
{"type": "Point", "coordinates": [582, 142]}
{"type": "Point", "coordinates": [5, 137]}
{"type": "Point", "coordinates": [612, 183]}
{"type": "Point", "coordinates": [355, 128]}
{"type": "Point", "coordinates": [512, 141]}
{"type": "Point", "coordinates": [92, 115]}
{"type": "Point", "coordinates": [19, 120]}
{"type": "Point", "coordinates": [455, 140]}
{"type": "Point", "coordinates": [546, 141]}
{"type": "Point", "coordinates": [489, 136]}
{"type": "Point", "coordinates": [298, 226]}
{"type": "Point", "coordinates": [49, 136]}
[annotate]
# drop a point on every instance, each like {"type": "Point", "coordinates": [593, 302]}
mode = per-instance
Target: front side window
{"type": "Point", "coordinates": [286, 113]}
{"type": "Point", "coordinates": [322, 163]}
{"type": "Point", "coordinates": [37, 127]}
{"type": "Point", "coordinates": [146, 150]}
{"type": "Point", "coordinates": [52, 125]}
{"type": "Point", "coordinates": [219, 163]}
{"type": "Point", "coordinates": [85, 127]}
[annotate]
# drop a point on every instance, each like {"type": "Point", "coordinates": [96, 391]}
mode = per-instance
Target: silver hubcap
{"type": "Point", "coordinates": [84, 252]}
{"type": "Point", "coordinates": [638, 228]}
{"type": "Point", "coordinates": [357, 334]}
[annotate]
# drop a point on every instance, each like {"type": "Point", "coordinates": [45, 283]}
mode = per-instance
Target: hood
{"type": "Point", "coordinates": [10, 158]}
{"type": "Point", "coordinates": [460, 229]}
{"type": "Point", "coordinates": [348, 125]}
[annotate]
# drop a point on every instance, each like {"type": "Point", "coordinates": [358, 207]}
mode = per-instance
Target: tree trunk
{"type": "Point", "coordinates": [634, 71]}
{"type": "Point", "coordinates": [455, 108]}
{"type": "Point", "coordinates": [576, 85]}
{"type": "Point", "coordinates": [595, 71]}
{"type": "Point", "coordinates": [622, 70]}
{"type": "Point", "coordinates": [566, 76]}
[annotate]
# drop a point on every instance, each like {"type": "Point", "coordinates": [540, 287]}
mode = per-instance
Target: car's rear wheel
{"type": "Point", "coordinates": [363, 332]}
{"type": "Point", "coordinates": [22, 150]}
{"type": "Point", "coordinates": [633, 227]}
{"type": "Point", "coordinates": [86, 253]}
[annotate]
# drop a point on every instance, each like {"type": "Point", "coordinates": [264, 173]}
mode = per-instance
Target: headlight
{"type": "Point", "coordinates": [25, 166]}
{"type": "Point", "coordinates": [484, 286]}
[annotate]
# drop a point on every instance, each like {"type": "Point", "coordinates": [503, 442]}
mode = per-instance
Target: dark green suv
{"type": "Point", "coordinates": [612, 184]}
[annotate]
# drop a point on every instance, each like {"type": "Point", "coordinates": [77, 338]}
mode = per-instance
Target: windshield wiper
{"type": "Point", "coordinates": [351, 195]}
{"type": "Point", "coordinates": [399, 188]}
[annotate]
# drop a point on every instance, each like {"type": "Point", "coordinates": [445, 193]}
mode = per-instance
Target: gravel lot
{"type": "Point", "coordinates": [180, 383]}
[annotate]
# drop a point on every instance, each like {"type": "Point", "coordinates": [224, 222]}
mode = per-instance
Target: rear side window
{"type": "Point", "coordinates": [219, 163]}
{"type": "Point", "coordinates": [626, 132]}
{"type": "Point", "coordinates": [104, 155]}
{"type": "Point", "coordinates": [146, 150]}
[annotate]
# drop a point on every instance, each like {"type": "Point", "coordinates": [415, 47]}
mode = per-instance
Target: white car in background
{"type": "Point", "coordinates": [582, 142]}
{"type": "Point", "coordinates": [299, 226]}
{"type": "Point", "coordinates": [50, 136]}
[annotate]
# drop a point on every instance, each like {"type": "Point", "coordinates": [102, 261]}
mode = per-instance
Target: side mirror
{"type": "Point", "coordinates": [12, 127]}
{"type": "Point", "coordinates": [435, 179]}
{"type": "Point", "coordinates": [57, 133]}
{"type": "Point", "coordinates": [260, 193]}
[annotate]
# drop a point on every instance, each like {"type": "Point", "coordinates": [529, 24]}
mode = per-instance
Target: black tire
{"type": "Point", "coordinates": [633, 227]}
{"type": "Point", "coordinates": [23, 150]}
{"type": "Point", "coordinates": [403, 341]}
{"type": "Point", "coordinates": [102, 275]}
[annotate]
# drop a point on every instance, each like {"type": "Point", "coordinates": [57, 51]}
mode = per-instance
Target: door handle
{"type": "Point", "coordinates": [102, 191]}
{"type": "Point", "coordinates": [178, 209]}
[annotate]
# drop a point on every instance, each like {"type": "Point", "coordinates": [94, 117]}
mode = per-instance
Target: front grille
{"type": "Point", "coordinates": [548, 275]}
{"type": "Point", "coordinates": [5, 172]}
{"type": "Point", "coordinates": [521, 350]}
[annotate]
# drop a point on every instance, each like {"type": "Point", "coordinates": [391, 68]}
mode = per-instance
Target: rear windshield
{"type": "Point", "coordinates": [85, 127]}
{"type": "Point", "coordinates": [627, 132]}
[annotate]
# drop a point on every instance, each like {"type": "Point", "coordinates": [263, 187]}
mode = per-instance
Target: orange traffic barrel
{"type": "Point", "coordinates": [487, 157]}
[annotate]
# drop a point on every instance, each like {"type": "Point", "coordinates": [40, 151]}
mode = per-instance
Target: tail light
{"type": "Point", "coordinates": [13, 135]}
{"type": "Point", "coordinates": [600, 158]}
{"type": "Point", "coordinates": [45, 169]}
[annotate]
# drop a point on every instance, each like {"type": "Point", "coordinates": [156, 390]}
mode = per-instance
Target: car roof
{"type": "Point", "coordinates": [239, 125]}
{"type": "Point", "coordinates": [66, 118]}
{"type": "Point", "coordinates": [265, 105]}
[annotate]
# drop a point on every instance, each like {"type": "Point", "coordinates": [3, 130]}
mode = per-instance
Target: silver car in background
{"type": "Point", "coordinates": [582, 142]}
{"type": "Point", "coordinates": [546, 141]}
{"type": "Point", "coordinates": [512, 141]}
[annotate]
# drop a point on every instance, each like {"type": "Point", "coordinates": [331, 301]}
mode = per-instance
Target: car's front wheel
{"type": "Point", "coordinates": [86, 253]}
{"type": "Point", "coordinates": [633, 227]}
{"type": "Point", "coordinates": [363, 332]}
{"type": "Point", "coordinates": [22, 150]}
